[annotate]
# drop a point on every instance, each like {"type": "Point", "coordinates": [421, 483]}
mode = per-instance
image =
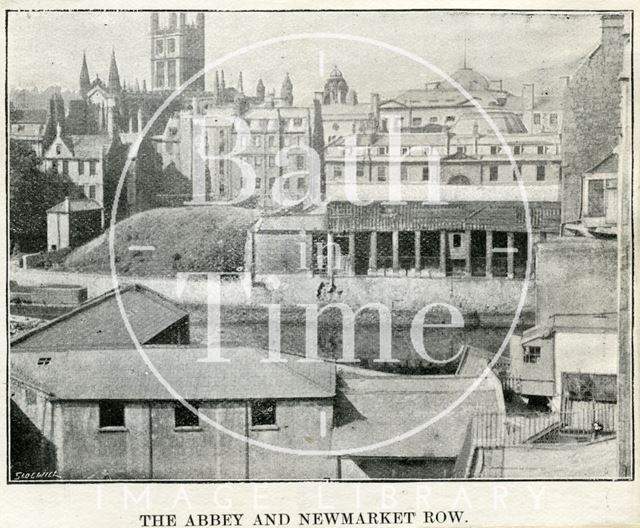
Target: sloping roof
{"type": "Point", "coordinates": [374, 409]}
{"type": "Point", "coordinates": [122, 374]}
{"type": "Point", "coordinates": [609, 165]}
{"type": "Point", "coordinates": [88, 146]}
{"type": "Point", "coordinates": [298, 222]}
{"type": "Point", "coordinates": [75, 205]}
{"type": "Point", "coordinates": [411, 216]}
{"type": "Point", "coordinates": [98, 322]}
{"type": "Point", "coordinates": [30, 115]}
{"type": "Point", "coordinates": [598, 323]}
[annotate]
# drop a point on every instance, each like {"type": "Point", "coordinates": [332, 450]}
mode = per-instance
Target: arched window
{"type": "Point", "coordinates": [459, 179]}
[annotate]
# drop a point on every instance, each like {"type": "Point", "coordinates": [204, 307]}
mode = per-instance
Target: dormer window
{"type": "Point", "coordinates": [58, 149]}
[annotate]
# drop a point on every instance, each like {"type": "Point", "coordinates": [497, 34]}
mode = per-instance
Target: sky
{"type": "Point", "coordinates": [45, 48]}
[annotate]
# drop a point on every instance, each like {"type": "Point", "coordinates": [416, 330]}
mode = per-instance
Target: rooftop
{"type": "Point", "coordinates": [372, 409]}
{"type": "Point", "coordinates": [122, 374]}
{"type": "Point", "coordinates": [75, 205]}
{"type": "Point", "coordinates": [98, 322]}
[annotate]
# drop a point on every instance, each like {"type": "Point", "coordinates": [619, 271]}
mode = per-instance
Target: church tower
{"type": "Point", "coordinates": [177, 51]}
{"type": "Point", "coordinates": [286, 91]}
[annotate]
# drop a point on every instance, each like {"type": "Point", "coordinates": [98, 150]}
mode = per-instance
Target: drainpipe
{"type": "Point", "coordinates": [150, 441]}
{"type": "Point", "coordinates": [246, 444]}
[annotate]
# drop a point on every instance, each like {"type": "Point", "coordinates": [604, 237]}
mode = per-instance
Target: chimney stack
{"type": "Point", "coordinates": [375, 106]}
{"type": "Point", "coordinates": [612, 28]}
{"type": "Point", "coordinates": [527, 96]}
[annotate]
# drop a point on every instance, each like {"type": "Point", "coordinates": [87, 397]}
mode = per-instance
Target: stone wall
{"type": "Point", "coordinates": [591, 107]}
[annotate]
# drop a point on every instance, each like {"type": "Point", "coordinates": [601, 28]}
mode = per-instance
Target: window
{"type": "Point", "coordinates": [494, 149]}
{"type": "Point", "coordinates": [258, 183]}
{"type": "Point", "coordinates": [44, 361]}
{"type": "Point", "coordinates": [517, 149]}
{"type": "Point", "coordinates": [425, 173]}
{"type": "Point", "coordinates": [272, 181]}
{"type": "Point", "coordinates": [257, 141]}
{"type": "Point", "coordinates": [58, 150]}
{"type": "Point", "coordinates": [65, 168]}
{"type": "Point", "coordinates": [183, 417]}
{"type": "Point", "coordinates": [541, 149]}
{"type": "Point", "coordinates": [493, 173]}
{"type": "Point", "coordinates": [450, 119]}
{"type": "Point", "coordinates": [416, 121]}
{"type": "Point", "coordinates": [359, 170]}
{"type": "Point", "coordinates": [54, 165]}
{"type": "Point", "coordinates": [258, 161]}
{"type": "Point", "coordinates": [553, 119]}
{"type": "Point", "coordinates": [540, 169]}
{"type": "Point", "coordinates": [220, 166]}
{"type": "Point", "coordinates": [531, 354]}
{"type": "Point", "coordinates": [92, 168]}
{"type": "Point", "coordinates": [272, 141]}
{"type": "Point", "coordinates": [171, 73]}
{"type": "Point", "coordinates": [433, 119]}
{"type": "Point", "coordinates": [382, 150]}
{"type": "Point", "coordinates": [159, 47]}
{"type": "Point", "coordinates": [299, 162]}
{"type": "Point", "coordinates": [595, 198]}
{"type": "Point", "coordinates": [382, 173]}
{"type": "Point", "coordinates": [517, 172]}
{"type": "Point", "coordinates": [457, 240]}
{"type": "Point", "coordinates": [286, 141]}
{"type": "Point", "coordinates": [263, 412]}
{"type": "Point", "coordinates": [286, 184]}
{"type": "Point", "coordinates": [171, 45]}
{"type": "Point", "coordinates": [460, 150]}
{"type": "Point", "coordinates": [297, 121]}
{"type": "Point", "coordinates": [272, 161]}
{"type": "Point", "coordinates": [403, 173]}
{"type": "Point", "coordinates": [111, 414]}
{"type": "Point", "coordinates": [92, 192]}
{"type": "Point", "coordinates": [301, 184]}
{"type": "Point", "coordinates": [337, 172]}
{"type": "Point", "coordinates": [159, 74]}
{"type": "Point", "coordinates": [536, 119]}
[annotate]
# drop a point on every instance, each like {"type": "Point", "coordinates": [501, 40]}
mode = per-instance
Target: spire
{"type": "Point", "coordinates": [85, 82]}
{"type": "Point", "coordinates": [114, 76]}
{"type": "Point", "coordinates": [286, 92]}
{"type": "Point", "coordinates": [222, 86]}
{"type": "Point", "coordinates": [240, 87]}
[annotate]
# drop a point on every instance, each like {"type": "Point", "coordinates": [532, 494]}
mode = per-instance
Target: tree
{"type": "Point", "coordinates": [31, 193]}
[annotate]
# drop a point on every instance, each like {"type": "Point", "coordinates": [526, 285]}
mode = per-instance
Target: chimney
{"type": "Point", "coordinates": [375, 106]}
{"type": "Point", "coordinates": [527, 96]}
{"type": "Point", "coordinates": [183, 20]}
{"type": "Point", "coordinates": [612, 28]}
{"type": "Point", "coordinates": [155, 22]}
{"type": "Point", "coordinates": [67, 205]}
{"type": "Point", "coordinates": [564, 81]}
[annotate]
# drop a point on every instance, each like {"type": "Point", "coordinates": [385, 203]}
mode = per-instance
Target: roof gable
{"type": "Point", "coordinates": [98, 322]}
{"type": "Point", "coordinates": [608, 165]}
{"type": "Point", "coordinates": [52, 151]}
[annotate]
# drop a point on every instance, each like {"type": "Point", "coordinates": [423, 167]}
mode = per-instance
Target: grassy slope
{"type": "Point", "coordinates": [209, 238]}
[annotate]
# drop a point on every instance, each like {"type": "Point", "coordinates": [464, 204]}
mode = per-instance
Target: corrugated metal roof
{"type": "Point", "coordinates": [122, 374]}
{"type": "Point", "coordinates": [98, 322]}
{"type": "Point", "coordinates": [503, 216]}
{"type": "Point", "coordinates": [372, 410]}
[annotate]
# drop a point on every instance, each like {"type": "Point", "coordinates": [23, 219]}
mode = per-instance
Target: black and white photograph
{"type": "Point", "coordinates": [305, 245]}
